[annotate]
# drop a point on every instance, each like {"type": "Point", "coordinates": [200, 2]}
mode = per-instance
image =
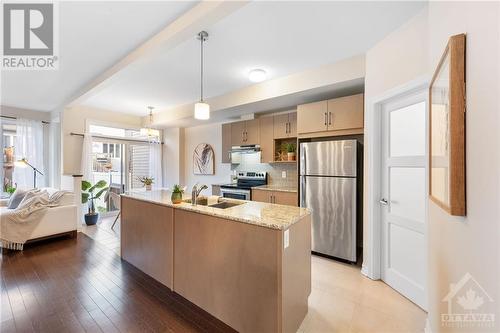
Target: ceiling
{"type": "Point", "coordinates": [280, 37]}
{"type": "Point", "coordinates": [93, 35]}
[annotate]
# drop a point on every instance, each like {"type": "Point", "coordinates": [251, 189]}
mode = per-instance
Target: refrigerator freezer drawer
{"type": "Point", "coordinates": [328, 158]}
{"type": "Point", "coordinates": [332, 201]}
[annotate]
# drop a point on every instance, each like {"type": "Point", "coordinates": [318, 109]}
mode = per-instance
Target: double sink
{"type": "Point", "coordinates": [219, 205]}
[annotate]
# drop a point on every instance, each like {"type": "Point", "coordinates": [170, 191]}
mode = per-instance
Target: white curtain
{"type": "Point", "coordinates": [29, 145]}
{"type": "Point", "coordinates": [155, 164]}
{"type": "Point", "coordinates": [86, 165]}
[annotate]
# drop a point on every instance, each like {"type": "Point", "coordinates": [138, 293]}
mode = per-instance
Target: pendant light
{"type": "Point", "coordinates": [150, 132]}
{"type": "Point", "coordinates": [202, 109]}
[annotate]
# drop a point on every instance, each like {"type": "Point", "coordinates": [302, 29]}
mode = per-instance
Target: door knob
{"type": "Point", "coordinates": [383, 202]}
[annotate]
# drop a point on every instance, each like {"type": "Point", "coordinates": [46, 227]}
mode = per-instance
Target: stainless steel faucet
{"type": "Point", "coordinates": [195, 192]}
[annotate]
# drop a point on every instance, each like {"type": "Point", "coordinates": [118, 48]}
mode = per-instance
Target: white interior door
{"type": "Point", "coordinates": [403, 201]}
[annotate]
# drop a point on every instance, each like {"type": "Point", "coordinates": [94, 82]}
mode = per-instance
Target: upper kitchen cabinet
{"type": "Point", "coordinates": [312, 117]}
{"type": "Point", "coordinates": [252, 129]}
{"type": "Point", "coordinates": [285, 125]}
{"type": "Point", "coordinates": [238, 133]}
{"type": "Point", "coordinates": [343, 115]}
{"type": "Point", "coordinates": [266, 139]}
{"type": "Point", "coordinates": [226, 143]}
{"type": "Point", "coordinates": [245, 132]}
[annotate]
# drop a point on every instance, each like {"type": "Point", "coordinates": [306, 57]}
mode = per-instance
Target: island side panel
{"type": "Point", "coordinates": [296, 275]}
{"type": "Point", "coordinates": [147, 238]}
{"type": "Point", "coordinates": [229, 269]}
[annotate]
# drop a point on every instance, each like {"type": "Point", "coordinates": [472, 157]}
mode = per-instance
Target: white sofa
{"type": "Point", "coordinates": [57, 221]}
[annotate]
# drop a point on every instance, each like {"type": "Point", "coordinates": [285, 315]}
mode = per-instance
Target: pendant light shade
{"type": "Point", "coordinates": [202, 109]}
{"type": "Point", "coordinates": [150, 132]}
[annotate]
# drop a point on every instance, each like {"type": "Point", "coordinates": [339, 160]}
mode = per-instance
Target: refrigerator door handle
{"type": "Point", "coordinates": [303, 160]}
{"type": "Point", "coordinates": [302, 191]}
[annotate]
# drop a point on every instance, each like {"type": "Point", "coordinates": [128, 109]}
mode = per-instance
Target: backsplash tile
{"type": "Point", "coordinates": [251, 162]}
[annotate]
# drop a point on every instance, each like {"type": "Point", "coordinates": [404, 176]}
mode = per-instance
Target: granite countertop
{"type": "Point", "coordinates": [267, 215]}
{"type": "Point", "coordinates": [277, 188]}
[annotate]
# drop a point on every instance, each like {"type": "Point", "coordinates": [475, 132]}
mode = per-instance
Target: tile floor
{"type": "Point", "coordinates": [103, 233]}
{"type": "Point", "coordinates": [342, 299]}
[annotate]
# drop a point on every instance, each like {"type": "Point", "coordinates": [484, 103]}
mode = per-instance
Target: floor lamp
{"type": "Point", "coordinates": [23, 163]}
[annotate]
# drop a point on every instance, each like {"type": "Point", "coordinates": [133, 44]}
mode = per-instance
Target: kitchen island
{"type": "Point", "coordinates": [248, 264]}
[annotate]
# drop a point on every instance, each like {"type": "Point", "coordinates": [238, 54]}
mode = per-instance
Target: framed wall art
{"type": "Point", "coordinates": [203, 159]}
{"type": "Point", "coordinates": [447, 104]}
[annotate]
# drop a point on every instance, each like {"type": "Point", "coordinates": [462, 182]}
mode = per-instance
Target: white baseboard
{"type": "Point", "coordinates": [364, 270]}
{"type": "Point", "coordinates": [427, 328]}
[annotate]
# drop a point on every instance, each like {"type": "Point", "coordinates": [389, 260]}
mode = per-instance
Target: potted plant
{"type": "Point", "coordinates": [147, 182]}
{"type": "Point", "coordinates": [88, 196]}
{"type": "Point", "coordinates": [177, 192]}
{"type": "Point", "coordinates": [10, 189]}
{"type": "Point", "coordinates": [290, 149]}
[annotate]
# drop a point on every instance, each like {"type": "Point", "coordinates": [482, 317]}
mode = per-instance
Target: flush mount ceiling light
{"type": "Point", "coordinates": [202, 109]}
{"type": "Point", "coordinates": [150, 132]}
{"type": "Point", "coordinates": [257, 75]}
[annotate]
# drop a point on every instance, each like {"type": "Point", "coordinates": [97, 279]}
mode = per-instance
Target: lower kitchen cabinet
{"type": "Point", "coordinates": [276, 197]}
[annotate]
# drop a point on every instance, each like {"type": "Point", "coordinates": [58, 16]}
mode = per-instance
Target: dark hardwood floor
{"type": "Point", "coordinates": [78, 285]}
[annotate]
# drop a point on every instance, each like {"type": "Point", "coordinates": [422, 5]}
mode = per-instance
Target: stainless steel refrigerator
{"type": "Point", "coordinates": [328, 186]}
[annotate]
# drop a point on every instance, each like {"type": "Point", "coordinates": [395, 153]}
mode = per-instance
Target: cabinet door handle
{"type": "Point", "coordinates": [329, 118]}
{"type": "Point", "coordinates": [288, 127]}
{"type": "Point", "coordinates": [326, 121]}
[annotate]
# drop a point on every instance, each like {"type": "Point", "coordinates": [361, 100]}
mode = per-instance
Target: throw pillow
{"type": "Point", "coordinates": [16, 198]}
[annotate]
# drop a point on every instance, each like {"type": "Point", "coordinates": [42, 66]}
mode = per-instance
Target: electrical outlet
{"type": "Point", "coordinates": [283, 174]}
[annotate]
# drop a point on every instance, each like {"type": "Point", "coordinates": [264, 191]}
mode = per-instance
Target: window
{"type": "Point", "coordinates": [8, 137]}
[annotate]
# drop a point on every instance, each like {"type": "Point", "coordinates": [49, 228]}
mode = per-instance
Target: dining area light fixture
{"type": "Point", "coordinates": [202, 109]}
{"type": "Point", "coordinates": [149, 131]}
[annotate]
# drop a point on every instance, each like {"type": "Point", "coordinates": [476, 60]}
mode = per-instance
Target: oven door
{"type": "Point", "coordinates": [239, 194]}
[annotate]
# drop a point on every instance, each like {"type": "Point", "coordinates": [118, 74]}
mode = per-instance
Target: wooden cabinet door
{"type": "Point", "coordinates": [226, 143]}
{"type": "Point", "coordinates": [147, 233]}
{"type": "Point", "coordinates": [252, 132]}
{"type": "Point", "coordinates": [292, 124]}
{"type": "Point", "coordinates": [261, 195]}
{"type": "Point", "coordinates": [312, 117]}
{"type": "Point", "coordinates": [237, 133]}
{"type": "Point", "coordinates": [285, 198]}
{"type": "Point", "coordinates": [266, 139]}
{"type": "Point", "coordinates": [346, 113]}
{"type": "Point", "coordinates": [281, 126]}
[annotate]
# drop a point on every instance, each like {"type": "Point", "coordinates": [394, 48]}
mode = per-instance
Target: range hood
{"type": "Point", "coordinates": [245, 152]}
{"type": "Point", "coordinates": [245, 149]}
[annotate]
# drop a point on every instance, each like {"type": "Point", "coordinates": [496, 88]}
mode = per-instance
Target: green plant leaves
{"type": "Point", "coordinates": [86, 185]}
{"type": "Point", "coordinates": [98, 195]}
{"type": "Point", "coordinates": [85, 197]}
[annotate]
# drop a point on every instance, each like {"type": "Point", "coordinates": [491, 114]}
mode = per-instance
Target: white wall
{"type": "Point", "coordinates": [396, 60]}
{"type": "Point", "coordinates": [173, 156]}
{"type": "Point", "coordinates": [458, 245]}
{"type": "Point", "coordinates": [74, 119]}
{"type": "Point", "coordinates": [212, 135]}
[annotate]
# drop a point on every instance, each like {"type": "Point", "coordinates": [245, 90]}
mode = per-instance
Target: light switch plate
{"type": "Point", "coordinates": [283, 174]}
{"type": "Point", "coordinates": [286, 238]}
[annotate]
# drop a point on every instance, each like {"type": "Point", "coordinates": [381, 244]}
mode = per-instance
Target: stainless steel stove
{"type": "Point", "coordinates": [242, 189]}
